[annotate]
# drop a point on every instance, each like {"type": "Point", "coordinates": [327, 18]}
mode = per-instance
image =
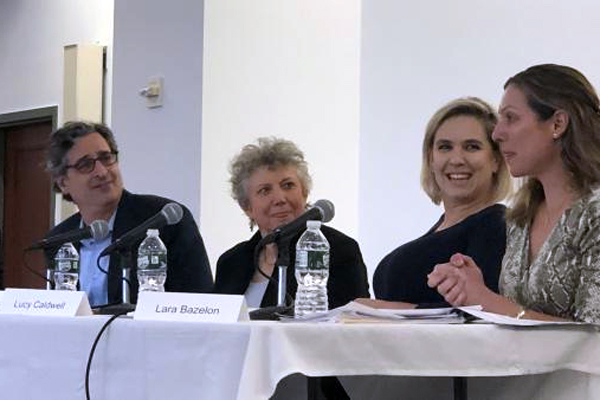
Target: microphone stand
{"type": "Point", "coordinates": [49, 279]}
{"type": "Point", "coordinates": [283, 260]}
{"type": "Point", "coordinates": [125, 258]}
{"type": "Point", "coordinates": [125, 261]}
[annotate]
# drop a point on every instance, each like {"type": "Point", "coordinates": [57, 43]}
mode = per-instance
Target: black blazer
{"type": "Point", "coordinates": [347, 271]}
{"type": "Point", "coordinates": [188, 269]}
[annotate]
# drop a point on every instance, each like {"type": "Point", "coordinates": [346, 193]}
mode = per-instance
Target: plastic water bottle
{"type": "Point", "coordinates": [152, 263]}
{"type": "Point", "coordinates": [312, 271]}
{"type": "Point", "coordinates": [66, 267]}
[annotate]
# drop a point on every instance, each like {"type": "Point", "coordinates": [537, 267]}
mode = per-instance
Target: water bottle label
{"type": "Point", "coordinates": [301, 258]}
{"type": "Point", "coordinates": [318, 260]}
{"type": "Point", "coordinates": [67, 266]}
{"type": "Point", "coordinates": [143, 262]}
{"type": "Point", "coordinates": [152, 261]}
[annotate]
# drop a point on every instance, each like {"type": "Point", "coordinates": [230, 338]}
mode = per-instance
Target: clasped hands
{"type": "Point", "coordinates": [459, 281]}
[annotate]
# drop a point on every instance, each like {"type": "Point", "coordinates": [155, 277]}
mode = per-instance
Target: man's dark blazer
{"type": "Point", "coordinates": [188, 269]}
{"type": "Point", "coordinates": [347, 271]}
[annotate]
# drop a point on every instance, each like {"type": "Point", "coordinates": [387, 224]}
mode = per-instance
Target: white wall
{"type": "Point", "coordinates": [160, 147]}
{"type": "Point", "coordinates": [287, 69]}
{"type": "Point", "coordinates": [414, 59]}
{"type": "Point", "coordinates": [32, 36]}
{"type": "Point", "coordinates": [282, 69]}
{"type": "Point", "coordinates": [291, 69]}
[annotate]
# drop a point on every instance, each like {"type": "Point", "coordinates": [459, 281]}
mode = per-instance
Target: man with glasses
{"type": "Point", "coordinates": [83, 161]}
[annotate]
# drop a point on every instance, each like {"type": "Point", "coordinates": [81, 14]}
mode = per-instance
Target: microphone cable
{"type": "Point", "coordinates": [32, 270]}
{"type": "Point", "coordinates": [260, 270]}
{"type": "Point", "coordinates": [280, 237]}
{"type": "Point", "coordinates": [107, 273]}
{"type": "Point", "coordinates": [93, 350]}
{"type": "Point", "coordinates": [257, 250]}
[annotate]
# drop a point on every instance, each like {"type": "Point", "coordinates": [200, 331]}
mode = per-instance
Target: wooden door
{"type": "Point", "coordinates": [27, 202]}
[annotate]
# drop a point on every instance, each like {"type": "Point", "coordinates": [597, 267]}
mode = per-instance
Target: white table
{"type": "Point", "coordinates": [571, 355]}
{"type": "Point", "coordinates": [45, 357]}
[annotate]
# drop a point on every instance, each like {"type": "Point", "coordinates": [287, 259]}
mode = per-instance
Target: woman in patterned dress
{"type": "Point", "coordinates": [549, 134]}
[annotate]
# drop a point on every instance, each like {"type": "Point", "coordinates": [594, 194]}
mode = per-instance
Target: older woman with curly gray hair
{"type": "Point", "coordinates": [271, 183]}
{"type": "Point", "coordinates": [270, 157]}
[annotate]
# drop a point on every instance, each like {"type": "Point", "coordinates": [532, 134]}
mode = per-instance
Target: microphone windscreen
{"type": "Point", "coordinates": [99, 229]}
{"type": "Point", "coordinates": [172, 213]}
{"type": "Point", "coordinates": [327, 209]}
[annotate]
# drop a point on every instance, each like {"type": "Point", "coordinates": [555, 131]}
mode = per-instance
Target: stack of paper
{"type": "Point", "coordinates": [512, 321]}
{"type": "Point", "coordinates": [355, 312]}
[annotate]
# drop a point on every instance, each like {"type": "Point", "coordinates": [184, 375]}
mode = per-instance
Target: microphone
{"type": "Point", "coordinates": [169, 215]}
{"type": "Point", "coordinates": [97, 230]}
{"type": "Point", "coordinates": [323, 210]}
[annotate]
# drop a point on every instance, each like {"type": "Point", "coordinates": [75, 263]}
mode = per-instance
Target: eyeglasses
{"type": "Point", "coordinates": [86, 164]}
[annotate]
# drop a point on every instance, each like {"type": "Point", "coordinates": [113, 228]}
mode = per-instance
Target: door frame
{"type": "Point", "coordinates": [31, 115]}
{"type": "Point", "coordinates": [16, 118]}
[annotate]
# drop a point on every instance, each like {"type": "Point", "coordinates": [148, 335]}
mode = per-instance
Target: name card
{"type": "Point", "coordinates": [55, 303]}
{"type": "Point", "coordinates": [193, 307]}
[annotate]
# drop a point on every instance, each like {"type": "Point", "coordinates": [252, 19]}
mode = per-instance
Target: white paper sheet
{"type": "Point", "coordinates": [506, 320]}
{"type": "Point", "coordinates": [355, 312]}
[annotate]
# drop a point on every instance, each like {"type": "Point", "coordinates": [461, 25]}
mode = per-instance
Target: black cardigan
{"type": "Point", "coordinates": [347, 271]}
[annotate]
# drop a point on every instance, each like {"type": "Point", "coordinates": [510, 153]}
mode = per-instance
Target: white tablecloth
{"type": "Point", "coordinates": [472, 350]}
{"type": "Point", "coordinates": [45, 357]}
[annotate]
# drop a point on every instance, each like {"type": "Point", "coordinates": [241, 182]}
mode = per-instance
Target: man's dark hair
{"type": "Point", "coordinates": [64, 138]}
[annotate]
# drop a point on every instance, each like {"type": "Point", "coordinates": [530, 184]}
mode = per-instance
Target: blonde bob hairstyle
{"type": "Point", "coordinates": [487, 116]}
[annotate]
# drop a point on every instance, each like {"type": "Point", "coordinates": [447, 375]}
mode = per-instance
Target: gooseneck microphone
{"type": "Point", "coordinates": [323, 210]}
{"type": "Point", "coordinates": [97, 230]}
{"type": "Point", "coordinates": [169, 215]}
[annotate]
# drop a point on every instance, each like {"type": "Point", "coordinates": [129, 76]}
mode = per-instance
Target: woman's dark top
{"type": "Point", "coordinates": [347, 271]}
{"type": "Point", "coordinates": [402, 274]}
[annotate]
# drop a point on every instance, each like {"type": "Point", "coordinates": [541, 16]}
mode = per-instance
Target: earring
{"type": "Point", "coordinates": [555, 135]}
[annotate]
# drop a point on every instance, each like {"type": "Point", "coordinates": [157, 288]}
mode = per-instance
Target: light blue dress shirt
{"type": "Point", "coordinates": [91, 280]}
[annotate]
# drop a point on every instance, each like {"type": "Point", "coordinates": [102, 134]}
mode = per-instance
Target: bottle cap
{"type": "Point", "coordinates": [152, 232]}
{"type": "Point", "coordinates": [313, 224]}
